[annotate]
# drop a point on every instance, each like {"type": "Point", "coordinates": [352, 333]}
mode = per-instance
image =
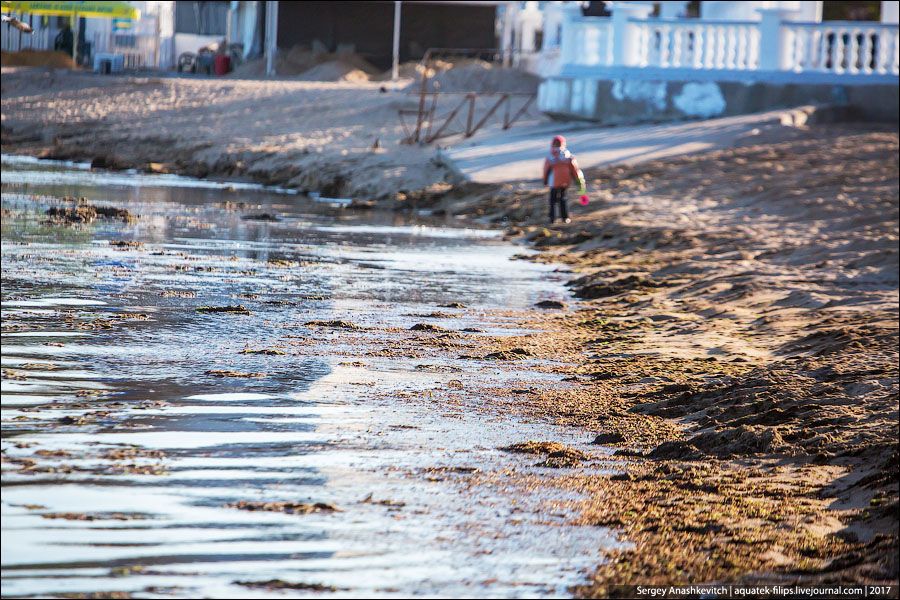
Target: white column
{"type": "Point", "coordinates": [271, 43]}
{"type": "Point", "coordinates": [166, 21]}
{"type": "Point", "coordinates": [395, 61]}
{"type": "Point", "coordinates": [509, 11]}
{"type": "Point", "coordinates": [531, 19]}
{"type": "Point", "coordinates": [549, 24]}
{"type": "Point", "coordinates": [773, 51]}
{"type": "Point", "coordinates": [229, 23]}
{"type": "Point", "coordinates": [626, 41]}
{"type": "Point", "coordinates": [890, 12]}
{"type": "Point", "coordinates": [568, 44]}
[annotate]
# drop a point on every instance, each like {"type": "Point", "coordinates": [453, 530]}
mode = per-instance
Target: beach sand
{"type": "Point", "coordinates": [339, 139]}
{"type": "Point", "coordinates": [738, 342]}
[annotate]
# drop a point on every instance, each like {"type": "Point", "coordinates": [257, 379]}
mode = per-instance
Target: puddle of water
{"type": "Point", "coordinates": [312, 429]}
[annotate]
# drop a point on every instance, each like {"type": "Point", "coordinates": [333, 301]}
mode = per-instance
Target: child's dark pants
{"type": "Point", "coordinates": [558, 196]}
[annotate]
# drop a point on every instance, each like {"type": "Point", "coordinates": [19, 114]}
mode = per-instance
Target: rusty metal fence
{"type": "Point", "coordinates": [471, 109]}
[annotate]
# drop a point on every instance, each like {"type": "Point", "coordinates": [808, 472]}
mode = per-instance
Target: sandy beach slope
{"type": "Point", "coordinates": [738, 342]}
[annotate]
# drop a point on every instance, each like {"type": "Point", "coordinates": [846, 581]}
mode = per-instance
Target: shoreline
{"type": "Point", "coordinates": [755, 373]}
{"type": "Point", "coordinates": [737, 345]}
{"type": "Point", "coordinates": [210, 128]}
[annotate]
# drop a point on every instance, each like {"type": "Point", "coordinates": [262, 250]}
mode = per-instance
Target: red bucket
{"type": "Point", "coordinates": [222, 64]}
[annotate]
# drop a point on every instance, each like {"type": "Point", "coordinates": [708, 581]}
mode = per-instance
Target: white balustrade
{"type": "Point", "coordinates": [843, 47]}
{"type": "Point", "coordinates": [630, 39]}
{"type": "Point", "coordinates": [696, 44]}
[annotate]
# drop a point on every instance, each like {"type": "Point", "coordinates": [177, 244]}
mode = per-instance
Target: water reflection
{"type": "Point", "coordinates": [123, 444]}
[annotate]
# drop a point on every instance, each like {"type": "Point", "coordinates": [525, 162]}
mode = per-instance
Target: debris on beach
{"type": "Point", "coordinates": [239, 309]}
{"type": "Point", "coordinates": [126, 244]}
{"type": "Point", "coordinates": [279, 584]}
{"type": "Point", "coordinates": [281, 262]}
{"type": "Point", "coordinates": [178, 294]}
{"type": "Point", "coordinates": [534, 447]}
{"type": "Point", "coordinates": [264, 217]}
{"type": "Point", "coordinates": [550, 304]}
{"type": "Point", "coordinates": [291, 508]}
{"type": "Point", "coordinates": [725, 443]}
{"type": "Point", "coordinates": [512, 354]}
{"type": "Point", "coordinates": [80, 516]}
{"type": "Point", "coordinates": [453, 305]}
{"type": "Point", "coordinates": [334, 324]}
{"type": "Point", "coordinates": [265, 351]}
{"type": "Point", "coordinates": [558, 456]}
{"type": "Point", "coordinates": [357, 204]}
{"type": "Point", "coordinates": [13, 375]}
{"type": "Point", "coordinates": [589, 288]}
{"type": "Point", "coordinates": [602, 439]}
{"type": "Point", "coordinates": [229, 373]}
{"type": "Point", "coordinates": [370, 499]}
{"type": "Point", "coordinates": [85, 213]}
{"type": "Point", "coordinates": [428, 327]}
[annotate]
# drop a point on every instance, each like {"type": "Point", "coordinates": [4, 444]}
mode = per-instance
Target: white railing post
{"type": "Point", "coordinates": [626, 35]}
{"type": "Point", "coordinates": [568, 38]}
{"type": "Point", "coordinates": [774, 52]}
{"type": "Point", "coordinates": [890, 12]}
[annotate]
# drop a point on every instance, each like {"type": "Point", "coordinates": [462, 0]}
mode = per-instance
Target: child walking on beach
{"type": "Point", "coordinates": [560, 169]}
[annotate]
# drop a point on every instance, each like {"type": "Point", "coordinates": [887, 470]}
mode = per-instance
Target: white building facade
{"type": "Point", "coordinates": [635, 58]}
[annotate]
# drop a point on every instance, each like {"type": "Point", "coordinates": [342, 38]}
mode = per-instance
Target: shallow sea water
{"type": "Point", "coordinates": [330, 421]}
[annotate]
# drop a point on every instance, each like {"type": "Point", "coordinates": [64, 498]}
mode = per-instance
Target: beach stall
{"type": "Point", "coordinates": [122, 12]}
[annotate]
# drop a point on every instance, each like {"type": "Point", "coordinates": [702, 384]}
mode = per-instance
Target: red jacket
{"type": "Point", "coordinates": [560, 169]}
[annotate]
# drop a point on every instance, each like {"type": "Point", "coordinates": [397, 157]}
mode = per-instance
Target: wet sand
{"type": "Point", "coordinates": [737, 341]}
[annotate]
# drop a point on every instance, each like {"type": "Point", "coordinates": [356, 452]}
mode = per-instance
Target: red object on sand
{"type": "Point", "coordinates": [222, 64]}
{"type": "Point", "coordinates": [583, 199]}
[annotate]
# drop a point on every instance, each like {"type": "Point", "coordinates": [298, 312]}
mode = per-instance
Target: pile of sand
{"type": "Point", "coordinates": [37, 58]}
{"type": "Point", "coordinates": [311, 65]}
{"type": "Point", "coordinates": [336, 70]}
{"type": "Point", "coordinates": [478, 76]}
{"type": "Point", "coordinates": [413, 69]}
{"type": "Point", "coordinates": [461, 75]}
{"type": "Point", "coordinates": [407, 70]}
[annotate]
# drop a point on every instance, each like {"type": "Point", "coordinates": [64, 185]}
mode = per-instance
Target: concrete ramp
{"type": "Point", "coordinates": [518, 154]}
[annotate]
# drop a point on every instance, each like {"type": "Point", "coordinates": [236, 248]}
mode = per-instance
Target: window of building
{"type": "Point", "coordinates": [125, 40]}
{"type": "Point", "coordinates": [202, 18]}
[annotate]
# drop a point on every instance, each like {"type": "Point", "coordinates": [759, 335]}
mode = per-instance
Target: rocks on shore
{"type": "Point", "coordinates": [550, 304]}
